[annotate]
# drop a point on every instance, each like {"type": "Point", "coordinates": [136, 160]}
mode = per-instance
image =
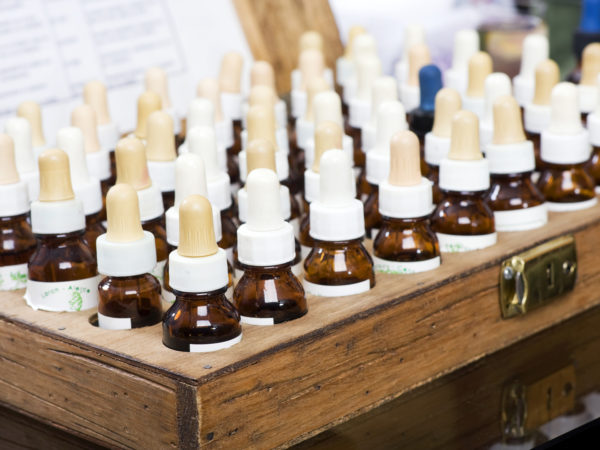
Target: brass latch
{"type": "Point", "coordinates": [535, 277]}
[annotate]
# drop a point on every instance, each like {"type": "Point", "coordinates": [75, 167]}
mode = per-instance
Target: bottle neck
{"type": "Point", "coordinates": [14, 219]}
{"type": "Point", "coordinates": [200, 296]}
{"type": "Point", "coordinates": [510, 176]}
{"type": "Point", "coordinates": [338, 244]}
{"type": "Point", "coordinates": [270, 269]}
{"type": "Point", "coordinates": [56, 239]}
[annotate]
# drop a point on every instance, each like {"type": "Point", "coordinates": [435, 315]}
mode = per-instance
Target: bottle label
{"type": "Point", "coordinates": [204, 348]}
{"type": "Point", "coordinates": [114, 323]}
{"type": "Point", "coordinates": [159, 270]}
{"type": "Point", "coordinates": [261, 321]}
{"type": "Point", "coordinates": [13, 277]}
{"type": "Point", "coordinates": [76, 295]}
{"type": "Point", "coordinates": [571, 206]}
{"type": "Point", "coordinates": [336, 291]}
{"type": "Point", "coordinates": [398, 267]}
{"type": "Point", "coordinates": [454, 243]}
{"type": "Point", "coordinates": [521, 219]}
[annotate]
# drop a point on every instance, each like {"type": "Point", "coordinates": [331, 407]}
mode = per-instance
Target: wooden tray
{"type": "Point", "coordinates": [286, 383]}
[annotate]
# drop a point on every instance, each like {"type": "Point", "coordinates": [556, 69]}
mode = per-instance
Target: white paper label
{"type": "Point", "coordinates": [263, 321]}
{"type": "Point", "coordinates": [572, 206]}
{"type": "Point", "coordinates": [159, 270]}
{"type": "Point", "coordinates": [336, 291]}
{"type": "Point", "coordinates": [114, 323]}
{"type": "Point", "coordinates": [454, 243]}
{"type": "Point", "coordinates": [521, 219]}
{"type": "Point", "coordinates": [76, 295]}
{"type": "Point", "coordinates": [13, 277]}
{"type": "Point", "coordinates": [204, 348]}
{"type": "Point", "coordinates": [407, 267]}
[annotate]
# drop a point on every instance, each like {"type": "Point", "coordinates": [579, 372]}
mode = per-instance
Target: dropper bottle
{"type": "Point", "coordinates": [535, 50]}
{"type": "Point", "coordinates": [414, 34]}
{"type": "Point", "coordinates": [62, 272]}
{"type": "Point", "coordinates": [466, 44]}
{"type": "Point", "coordinates": [391, 118]}
{"type": "Point", "coordinates": [128, 296]}
{"type": "Point", "coordinates": [201, 319]}
{"type": "Point", "coordinates": [147, 103]}
{"type": "Point", "coordinates": [161, 155]}
{"type": "Point", "coordinates": [309, 40]}
{"type": "Point", "coordinates": [437, 141]}
{"type": "Point", "coordinates": [590, 69]}
{"type": "Point", "coordinates": [344, 67]}
{"type": "Point", "coordinates": [156, 80]}
{"type": "Point", "coordinates": [265, 96]}
{"type": "Point", "coordinates": [230, 85]}
{"type": "Point", "coordinates": [420, 119]}
{"type": "Point", "coordinates": [19, 129]}
{"type": "Point", "coordinates": [338, 264]}
{"type": "Point", "coordinates": [328, 136]}
{"type": "Point", "coordinates": [268, 292]}
{"type": "Point", "coordinates": [496, 85]}
{"type": "Point", "coordinates": [565, 150]}
{"type": "Point", "coordinates": [364, 46]}
{"type": "Point", "coordinates": [305, 125]}
{"type": "Point", "coordinates": [405, 243]}
{"type": "Point", "coordinates": [86, 188]}
{"type": "Point", "coordinates": [463, 221]}
{"type": "Point", "coordinates": [593, 125]}
{"type": "Point", "coordinates": [384, 89]}
{"type": "Point", "coordinates": [33, 113]}
{"type": "Point", "coordinates": [17, 242]}
{"type": "Point", "coordinates": [418, 57]}
{"type": "Point", "coordinates": [262, 74]}
{"type": "Point", "coordinates": [209, 88]}
{"type": "Point", "coordinates": [132, 169]}
{"type": "Point", "coordinates": [480, 66]}
{"type": "Point", "coordinates": [517, 202]}
{"type": "Point", "coordinates": [311, 64]}
{"type": "Point", "coordinates": [537, 113]}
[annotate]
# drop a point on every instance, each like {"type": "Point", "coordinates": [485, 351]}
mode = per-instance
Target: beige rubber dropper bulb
{"type": "Point", "coordinates": [209, 88]}
{"type": "Point", "coordinates": [230, 75]}
{"type": "Point", "coordinates": [328, 136]}
{"type": "Point", "coordinates": [547, 75]}
{"type": "Point", "coordinates": [262, 95]}
{"type": "Point", "coordinates": [261, 124]}
{"type": "Point", "coordinates": [147, 103]}
{"type": "Point", "coordinates": [311, 40]}
{"type": "Point", "coordinates": [314, 86]}
{"type": "Point", "coordinates": [132, 167]}
{"type": "Point", "coordinates": [156, 80]}
{"type": "Point", "coordinates": [260, 154]}
{"type": "Point", "coordinates": [196, 231]}
{"type": "Point", "coordinates": [418, 56]}
{"type": "Point", "coordinates": [84, 118]}
{"type": "Point", "coordinates": [354, 31]}
{"type": "Point", "coordinates": [464, 142]}
{"type": "Point", "coordinates": [94, 94]}
{"type": "Point", "coordinates": [55, 176]}
{"type": "Point", "coordinates": [447, 104]}
{"type": "Point", "coordinates": [160, 145]}
{"type": "Point", "coordinates": [508, 126]}
{"type": "Point", "coordinates": [8, 167]}
{"type": "Point", "coordinates": [590, 64]}
{"type": "Point", "coordinates": [311, 64]}
{"type": "Point", "coordinates": [32, 112]}
{"type": "Point", "coordinates": [123, 214]}
{"type": "Point", "coordinates": [261, 74]}
{"type": "Point", "coordinates": [480, 66]}
{"type": "Point", "coordinates": [405, 159]}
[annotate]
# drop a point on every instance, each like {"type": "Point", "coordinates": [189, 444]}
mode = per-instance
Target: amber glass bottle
{"type": "Point", "coordinates": [405, 240]}
{"type": "Point", "coordinates": [18, 242]}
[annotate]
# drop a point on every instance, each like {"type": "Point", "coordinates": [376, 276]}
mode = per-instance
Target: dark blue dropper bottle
{"type": "Point", "coordinates": [420, 119]}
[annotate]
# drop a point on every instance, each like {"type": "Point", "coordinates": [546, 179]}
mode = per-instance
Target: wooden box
{"type": "Point", "coordinates": [285, 383]}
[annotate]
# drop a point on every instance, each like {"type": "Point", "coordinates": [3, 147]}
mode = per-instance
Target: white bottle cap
{"type": "Point", "coordinates": [391, 118]}
{"type": "Point", "coordinates": [19, 129]}
{"type": "Point", "coordinates": [190, 179]}
{"type": "Point", "coordinates": [537, 112]}
{"type": "Point", "coordinates": [437, 141]}
{"type": "Point", "coordinates": [344, 65]}
{"type": "Point", "coordinates": [464, 169]}
{"type": "Point", "coordinates": [368, 68]}
{"type": "Point", "coordinates": [535, 50]}
{"type": "Point", "coordinates": [413, 35]}
{"type": "Point", "coordinates": [405, 195]}
{"type": "Point", "coordinates": [466, 44]}
{"type": "Point", "coordinates": [337, 215]}
{"type": "Point", "coordinates": [265, 239]}
{"type": "Point", "coordinates": [125, 249]}
{"type": "Point", "coordinates": [209, 88]}
{"type": "Point", "coordinates": [328, 136]}
{"type": "Point", "coordinates": [496, 85]}
{"type": "Point", "coordinates": [98, 159]}
{"type": "Point", "coordinates": [70, 139]}
{"type": "Point", "coordinates": [198, 265]}
{"type": "Point", "coordinates": [565, 141]}
{"type": "Point", "coordinates": [305, 125]}
{"type": "Point", "coordinates": [57, 211]}
{"type": "Point", "coordinates": [200, 113]}
{"type": "Point", "coordinates": [160, 151]}
{"type": "Point", "coordinates": [384, 89]}
{"type": "Point", "coordinates": [14, 200]}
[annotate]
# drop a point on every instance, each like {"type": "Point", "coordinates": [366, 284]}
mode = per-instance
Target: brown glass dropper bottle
{"type": "Point", "coordinates": [161, 155]}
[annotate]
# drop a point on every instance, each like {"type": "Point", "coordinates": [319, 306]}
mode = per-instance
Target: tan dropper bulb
{"type": "Point", "coordinates": [260, 155]}
{"type": "Point", "coordinates": [147, 103]}
{"type": "Point", "coordinates": [196, 232]}
{"type": "Point", "coordinates": [405, 162]}
{"type": "Point", "coordinates": [314, 86]}
{"type": "Point", "coordinates": [464, 142]}
{"type": "Point", "coordinates": [160, 145]}
{"type": "Point", "coordinates": [209, 88]}
{"type": "Point", "coordinates": [354, 31]}
{"type": "Point", "coordinates": [84, 118]}
{"type": "Point", "coordinates": [590, 64]}
{"type": "Point", "coordinates": [156, 81]}
{"type": "Point", "coordinates": [262, 95]}
{"type": "Point", "coordinates": [8, 167]}
{"type": "Point", "coordinates": [547, 75]}
{"type": "Point", "coordinates": [55, 176]}
{"type": "Point", "coordinates": [418, 56]}
{"type": "Point", "coordinates": [94, 94]}
{"type": "Point", "coordinates": [230, 75]}
{"type": "Point", "coordinates": [32, 112]}
{"type": "Point", "coordinates": [132, 167]}
{"type": "Point", "coordinates": [261, 124]}
{"type": "Point", "coordinates": [508, 126]}
{"type": "Point", "coordinates": [123, 214]}
{"type": "Point", "coordinates": [447, 104]}
{"type": "Point", "coordinates": [311, 40]}
{"type": "Point", "coordinates": [328, 136]}
{"type": "Point", "coordinates": [262, 73]}
{"type": "Point", "coordinates": [480, 66]}
{"type": "Point", "coordinates": [311, 64]}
